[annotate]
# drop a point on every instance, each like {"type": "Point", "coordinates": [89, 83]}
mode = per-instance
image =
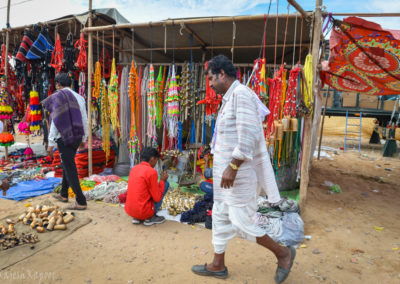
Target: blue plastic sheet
{"type": "Point", "coordinates": [32, 188]}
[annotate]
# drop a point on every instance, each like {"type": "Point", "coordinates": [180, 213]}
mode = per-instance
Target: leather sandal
{"type": "Point", "coordinates": [203, 271]}
{"type": "Point", "coordinates": [282, 273]}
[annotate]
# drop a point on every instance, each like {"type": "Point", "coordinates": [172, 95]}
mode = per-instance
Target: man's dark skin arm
{"type": "Point", "coordinates": [229, 175]}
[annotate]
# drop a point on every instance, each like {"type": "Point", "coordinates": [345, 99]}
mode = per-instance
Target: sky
{"type": "Point", "coordinates": [25, 12]}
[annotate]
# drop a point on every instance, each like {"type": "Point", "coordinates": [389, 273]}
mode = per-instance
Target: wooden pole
{"type": "Point", "coordinates": [322, 125]}
{"type": "Point", "coordinates": [366, 14]}
{"type": "Point", "coordinates": [208, 47]}
{"type": "Point", "coordinates": [89, 95]}
{"type": "Point", "coordinates": [305, 161]}
{"type": "Point", "coordinates": [6, 66]}
{"type": "Point", "coordinates": [177, 22]}
{"type": "Point", "coordinates": [299, 8]}
{"type": "Point", "coordinates": [317, 111]}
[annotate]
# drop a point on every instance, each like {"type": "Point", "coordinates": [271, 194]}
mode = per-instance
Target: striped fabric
{"type": "Point", "coordinates": [42, 44]}
{"type": "Point", "coordinates": [238, 134]}
{"type": "Point", "coordinates": [26, 44]}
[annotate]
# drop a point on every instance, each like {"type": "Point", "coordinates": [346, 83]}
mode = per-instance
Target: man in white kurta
{"type": "Point", "coordinates": [241, 165]}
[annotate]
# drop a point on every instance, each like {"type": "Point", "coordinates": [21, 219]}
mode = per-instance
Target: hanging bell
{"type": "Point", "coordinates": [285, 123]}
{"type": "Point", "coordinates": [293, 124]}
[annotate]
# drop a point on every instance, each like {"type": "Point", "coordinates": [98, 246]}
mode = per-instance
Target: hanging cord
{"type": "Point", "coordinates": [233, 37]}
{"type": "Point", "coordinates": [311, 32]}
{"type": "Point", "coordinates": [191, 53]}
{"type": "Point", "coordinates": [151, 44]}
{"type": "Point", "coordinates": [262, 48]}
{"type": "Point", "coordinates": [266, 18]}
{"type": "Point", "coordinates": [276, 31]}
{"type": "Point", "coordinates": [329, 24]}
{"type": "Point", "coordinates": [165, 38]}
{"type": "Point", "coordinates": [133, 44]}
{"type": "Point", "coordinates": [113, 39]}
{"type": "Point", "coordinates": [173, 43]}
{"type": "Point", "coordinates": [301, 39]}
{"type": "Point", "coordinates": [98, 48]}
{"type": "Point", "coordinates": [284, 40]}
{"type": "Point", "coordinates": [212, 37]}
{"type": "Point", "coordinates": [104, 55]}
{"type": "Point", "coordinates": [294, 40]}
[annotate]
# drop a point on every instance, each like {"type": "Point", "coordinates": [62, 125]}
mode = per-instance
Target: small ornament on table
{"type": "Point", "coordinates": [28, 153]}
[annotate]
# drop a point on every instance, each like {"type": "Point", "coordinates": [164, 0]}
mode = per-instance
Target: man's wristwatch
{"type": "Point", "coordinates": [233, 166]}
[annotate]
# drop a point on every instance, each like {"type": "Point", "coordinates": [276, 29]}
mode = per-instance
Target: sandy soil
{"type": "Point", "coordinates": [344, 248]}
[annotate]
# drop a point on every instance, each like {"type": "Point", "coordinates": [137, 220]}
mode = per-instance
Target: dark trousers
{"type": "Point", "coordinates": [70, 174]}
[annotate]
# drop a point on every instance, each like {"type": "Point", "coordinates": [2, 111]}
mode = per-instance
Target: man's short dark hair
{"type": "Point", "coordinates": [221, 62]}
{"type": "Point", "coordinates": [63, 79]}
{"type": "Point", "coordinates": [148, 153]}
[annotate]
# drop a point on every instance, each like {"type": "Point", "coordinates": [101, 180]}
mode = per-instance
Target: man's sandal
{"type": "Point", "coordinates": [60, 198]}
{"type": "Point", "coordinates": [282, 273]}
{"type": "Point", "coordinates": [203, 271]}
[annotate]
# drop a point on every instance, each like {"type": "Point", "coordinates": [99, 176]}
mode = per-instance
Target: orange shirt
{"type": "Point", "coordinates": [143, 190]}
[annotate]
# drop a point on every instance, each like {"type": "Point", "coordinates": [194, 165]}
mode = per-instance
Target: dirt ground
{"type": "Point", "coordinates": [344, 246]}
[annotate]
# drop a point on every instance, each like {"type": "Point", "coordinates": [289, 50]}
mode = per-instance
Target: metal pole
{"type": "Point", "coordinates": [89, 95]}
{"type": "Point", "coordinates": [6, 65]}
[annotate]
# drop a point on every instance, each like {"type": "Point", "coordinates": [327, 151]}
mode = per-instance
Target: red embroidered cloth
{"type": "Point", "coordinates": [364, 58]}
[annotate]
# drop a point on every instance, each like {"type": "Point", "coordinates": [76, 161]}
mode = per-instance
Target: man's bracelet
{"type": "Point", "coordinates": [233, 166]}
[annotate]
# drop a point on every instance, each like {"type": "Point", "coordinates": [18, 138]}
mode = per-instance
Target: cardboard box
{"type": "Point", "coordinates": [349, 99]}
{"type": "Point", "coordinates": [388, 105]}
{"type": "Point", "coordinates": [330, 99]}
{"type": "Point", "coordinates": [366, 101]}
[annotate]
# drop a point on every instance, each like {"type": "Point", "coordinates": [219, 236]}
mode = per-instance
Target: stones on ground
{"type": "Point", "coordinates": [316, 251]}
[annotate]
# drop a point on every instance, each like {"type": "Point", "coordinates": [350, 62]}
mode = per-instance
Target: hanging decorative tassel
{"type": "Point", "coordinates": [97, 83]}
{"type": "Point", "coordinates": [275, 94]}
{"type": "Point", "coordinates": [133, 137]}
{"type": "Point", "coordinates": [193, 133]}
{"type": "Point", "coordinates": [212, 100]}
{"type": "Point", "coordinates": [105, 119]}
{"type": "Point", "coordinates": [204, 132]}
{"type": "Point", "coordinates": [307, 90]}
{"type": "Point", "coordinates": [82, 84]}
{"type": "Point", "coordinates": [58, 54]}
{"type": "Point", "coordinates": [35, 114]}
{"type": "Point", "coordinates": [113, 98]}
{"type": "Point", "coordinates": [180, 148]}
{"type": "Point", "coordinates": [81, 62]}
{"type": "Point", "coordinates": [160, 83]}
{"type": "Point", "coordinates": [151, 108]}
{"type": "Point", "coordinates": [23, 128]}
{"type": "Point", "coordinates": [212, 127]}
{"type": "Point", "coordinates": [172, 101]}
{"type": "Point", "coordinates": [6, 111]}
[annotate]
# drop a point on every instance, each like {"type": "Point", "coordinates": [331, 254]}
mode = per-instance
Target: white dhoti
{"type": "Point", "coordinates": [229, 221]}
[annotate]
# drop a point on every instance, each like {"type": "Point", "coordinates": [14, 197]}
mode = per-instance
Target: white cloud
{"type": "Point", "coordinates": [145, 10]}
{"type": "Point", "coordinates": [134, 10]}
{"type": "Point", "coordinates": [39, 11]}
{"type": "Point", "coordinates": [386, 6]}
